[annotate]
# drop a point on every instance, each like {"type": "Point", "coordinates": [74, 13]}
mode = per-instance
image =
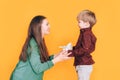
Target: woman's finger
{"type": "Point", "coordinates": [69, 53]}
{"type": "Point", "coordinates": [66, 58]}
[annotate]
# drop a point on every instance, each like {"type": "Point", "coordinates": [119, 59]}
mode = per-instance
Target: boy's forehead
{"type": "Point", "coordinates": [78, 19]}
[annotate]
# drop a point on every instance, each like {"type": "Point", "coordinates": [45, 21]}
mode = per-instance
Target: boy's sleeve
{"type": "Point", "coordinates": [86, 44]}
{"type": "Point", "coordinates": [35, 61]}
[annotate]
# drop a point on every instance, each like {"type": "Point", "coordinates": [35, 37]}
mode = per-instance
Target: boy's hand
{"type": "Point", "coordinates": [71, 55]}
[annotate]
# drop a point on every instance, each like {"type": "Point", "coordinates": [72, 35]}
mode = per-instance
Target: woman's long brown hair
{"type": "Point", "coordinates": [34, 31]}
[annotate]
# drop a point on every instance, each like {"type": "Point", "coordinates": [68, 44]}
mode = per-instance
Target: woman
{"type": "Point", "coordinates": [34, 58]}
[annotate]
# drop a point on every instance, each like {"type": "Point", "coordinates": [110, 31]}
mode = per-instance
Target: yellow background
{"type": "Point", "coordinates": [15, 16]}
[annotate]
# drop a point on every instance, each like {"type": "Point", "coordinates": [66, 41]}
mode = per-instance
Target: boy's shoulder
{"type": "Point", "coordinates": [89, 33]}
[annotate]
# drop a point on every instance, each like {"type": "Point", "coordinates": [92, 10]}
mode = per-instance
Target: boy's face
{"type": "Point", "coordinates": [83, 24]}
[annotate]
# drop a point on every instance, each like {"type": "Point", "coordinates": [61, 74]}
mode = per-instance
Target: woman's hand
{"type": "Point", "coordinates": [63, 55]}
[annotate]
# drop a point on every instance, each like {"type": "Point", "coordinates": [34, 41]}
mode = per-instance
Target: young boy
{"type": "Point", "coordinates": [85, 45]}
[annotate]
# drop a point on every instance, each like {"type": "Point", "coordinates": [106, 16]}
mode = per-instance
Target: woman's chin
{"type": "Point", "coordinates": [47, 33]}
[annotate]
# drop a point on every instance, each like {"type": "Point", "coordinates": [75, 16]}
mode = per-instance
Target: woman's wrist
{"type": "Point", "coordinates": [55, 60]}
{"type": "Point", "coordinates": [55, 55]}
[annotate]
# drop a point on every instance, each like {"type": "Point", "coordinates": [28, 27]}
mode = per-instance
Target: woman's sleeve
{"type": "Point", "coordinates": [35, 62]}
{"type": "Point", "coordinates": [51, 57]}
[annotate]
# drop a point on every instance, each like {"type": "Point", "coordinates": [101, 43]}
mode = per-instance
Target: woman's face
{"type": "Point", "coordinates": [45, 27]}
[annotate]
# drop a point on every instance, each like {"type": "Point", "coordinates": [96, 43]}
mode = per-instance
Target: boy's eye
{"type": "Point", "coordinates": [47, 24]}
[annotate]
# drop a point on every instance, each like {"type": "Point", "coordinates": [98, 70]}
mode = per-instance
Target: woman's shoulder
{"type": "Point", "coordinates": [33, 42]}
{"type": "Point", "coordinates": [32, 46]}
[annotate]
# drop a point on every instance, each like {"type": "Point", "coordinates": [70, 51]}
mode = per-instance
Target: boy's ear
{"type": "Point", "coordinates": [87, 24]}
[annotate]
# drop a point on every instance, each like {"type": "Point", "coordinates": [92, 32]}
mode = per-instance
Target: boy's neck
{"type": "Point", "coordinates": [85, 28]}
